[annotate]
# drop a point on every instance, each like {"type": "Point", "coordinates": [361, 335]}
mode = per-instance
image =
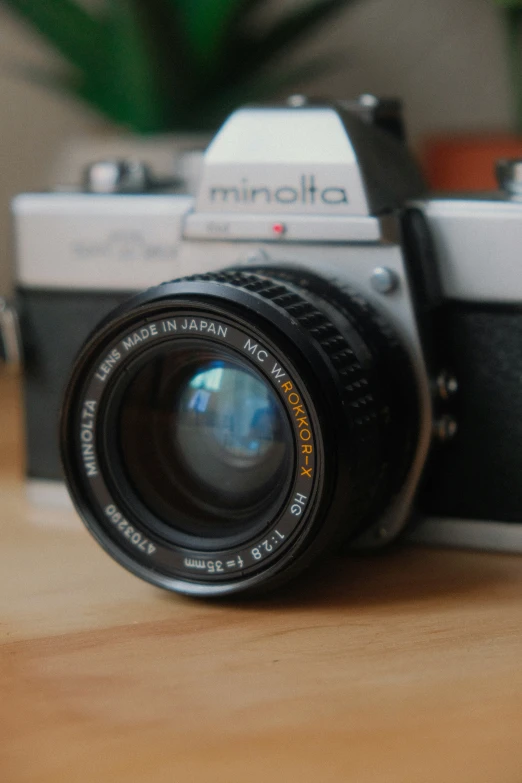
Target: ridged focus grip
{"type": "Point", "coordinates": [372, 373]}
{"type": "Point", "coordinates": [284, 295]}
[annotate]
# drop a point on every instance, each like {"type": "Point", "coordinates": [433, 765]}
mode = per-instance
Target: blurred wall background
{"type": "Point", "coordinates": [445, 59]}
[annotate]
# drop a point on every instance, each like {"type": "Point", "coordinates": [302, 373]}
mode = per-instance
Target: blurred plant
{"type": "Point", "coordinates": [162, 65]}
{"type": "Point", "coordinates": [512, 13]}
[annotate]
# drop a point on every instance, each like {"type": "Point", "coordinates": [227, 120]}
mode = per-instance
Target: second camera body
{"type": "Point", "coordinates": [337, 354]}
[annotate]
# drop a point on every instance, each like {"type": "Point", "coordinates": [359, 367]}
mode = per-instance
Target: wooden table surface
{"type": "Point", "coordinates": [399, 667]}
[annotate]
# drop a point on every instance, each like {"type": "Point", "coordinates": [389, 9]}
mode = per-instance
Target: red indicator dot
{"type": "Point", "coordinates": [279, 228]}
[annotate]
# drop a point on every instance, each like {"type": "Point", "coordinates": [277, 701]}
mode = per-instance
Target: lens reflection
{"type": "Point", "coordinates": [204, 442]}
{"type": "Point", "coordinates": [229, 430]}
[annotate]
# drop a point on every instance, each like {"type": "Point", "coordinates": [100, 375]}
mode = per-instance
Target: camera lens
{"type": "Point", "coordinates": [219, 432]}
{"type": "Point", "coordinates": [200, 443]}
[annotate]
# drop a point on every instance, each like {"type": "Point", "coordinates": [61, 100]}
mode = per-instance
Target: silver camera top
{"type": "Point", "coordinates": [310, 172]}
{"type": "Point", "coordinates": [292, 174]}
{"type": "Point", "coordinates": [311, 160]}
{"type": "Point", "coordinates": [306, 173]}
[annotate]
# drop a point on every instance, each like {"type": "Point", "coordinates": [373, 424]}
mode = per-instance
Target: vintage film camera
{"type": "Point", "coordinates": [338, 358]}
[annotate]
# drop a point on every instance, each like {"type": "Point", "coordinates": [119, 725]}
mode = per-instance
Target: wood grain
{"type": "Point", "coordinates": [399, 667]}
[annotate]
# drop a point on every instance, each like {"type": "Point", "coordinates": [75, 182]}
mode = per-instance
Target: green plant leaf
{"type": "Point", "coordinates": [294, 26]}
{"type": "Point", "coordinates": [181, 81]}
{"type": "Point", "coordinates": [243, 75]}
{"type": "Point", "coordinates": [157, 65]}
{"type": "Point", "coordinates": [265, 86]}
{"type": "Point", "coordinates": [132, 67]}
{"type": "Point", "coordinates": [206, 24]}
{"type": "Point", "coordinates": [251, 52]}
{"type": "Point", "coordinates": [75, 33]}
{"type": "Point", "coordinates": [105, 97]}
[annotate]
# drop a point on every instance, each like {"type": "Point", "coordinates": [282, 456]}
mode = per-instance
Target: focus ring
{"type": "Point", "coordinates": [373, 376]}
{"type": "Point", "coordinates": [357, 397]}
{"type": "Point", "coordinates": [365, 473]}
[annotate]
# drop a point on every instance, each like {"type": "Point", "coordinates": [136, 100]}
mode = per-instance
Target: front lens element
{"type": "Point", "coordinates": [204, 442]}
{"type": "Point", "coordinates": [230, 432]}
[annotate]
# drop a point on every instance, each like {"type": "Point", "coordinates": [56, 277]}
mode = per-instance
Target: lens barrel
{"type": "Point", "coordinates": [218, 432]}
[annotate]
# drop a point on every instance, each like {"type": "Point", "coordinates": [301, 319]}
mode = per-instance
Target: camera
{"type": "Point", "coordinates": [336, 359]}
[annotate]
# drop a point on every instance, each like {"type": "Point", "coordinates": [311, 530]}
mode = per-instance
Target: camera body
{"type": "Point", "coordinates": [333, 192]}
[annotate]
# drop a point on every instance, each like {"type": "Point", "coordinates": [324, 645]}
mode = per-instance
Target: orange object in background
{"type": "Point", "coordinates": [467, 162]}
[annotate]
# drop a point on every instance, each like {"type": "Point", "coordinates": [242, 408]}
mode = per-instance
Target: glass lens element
{"type": "Point", "coordinates": [228, 430]}
{"type": "Point", "coordinates": [205, 442]}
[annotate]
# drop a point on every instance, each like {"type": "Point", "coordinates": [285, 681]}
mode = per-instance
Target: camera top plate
{"type": "Point", "coordinates": [312, 160]}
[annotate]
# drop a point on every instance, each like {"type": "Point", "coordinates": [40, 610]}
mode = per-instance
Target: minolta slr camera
{"type": "Point", "coordinates": [338, 356]}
